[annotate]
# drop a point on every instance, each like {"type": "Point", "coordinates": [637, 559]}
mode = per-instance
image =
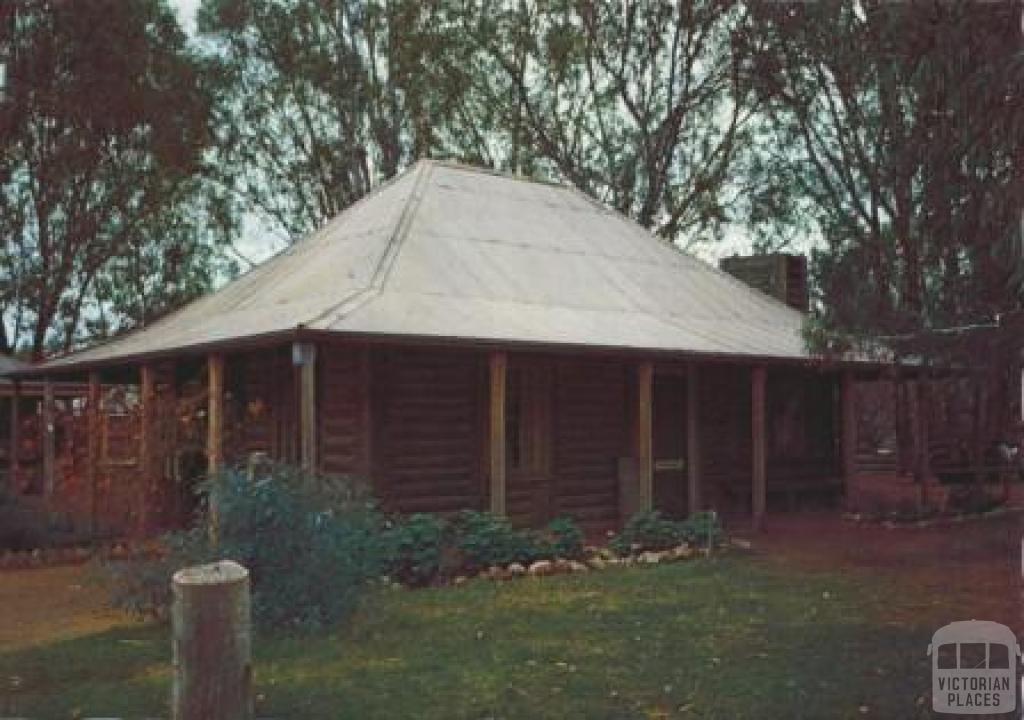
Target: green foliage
{"type": "Point", "coordinates": [652, 531]}
{"type": "Point", "coordinates": [312, 546]}
{"type": "Point", "coordinates": [565, 538]}
{"type": "Point", "coordinates": [416, 545]}
{"type": "Point", "coordinates": [103, 200]}
{"type": "Point", "coordinates": [703, 529]}
{"type": "Point", "coordinates": [483, 540]}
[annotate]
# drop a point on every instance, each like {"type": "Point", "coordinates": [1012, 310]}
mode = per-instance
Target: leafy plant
{"type": "Point", "coordinates": [651, 531]}
{"type": "Point", "coordinates": [703, 529]}
{"type": "Point", "coordinates": [484, 540]}
{"type": "Point", "coordinates": [565, 538]}
{"type": "Point", "coordinates": [312, 545]}
{"type": "Point", "coordinates": [648, 531]}
{"type": "Point", "coordinates": [416, 548]}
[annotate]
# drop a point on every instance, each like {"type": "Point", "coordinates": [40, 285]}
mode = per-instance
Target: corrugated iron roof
{"type": "Point", "coordinates": [452, 252]}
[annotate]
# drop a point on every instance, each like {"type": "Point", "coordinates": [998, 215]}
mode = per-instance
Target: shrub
{"type": "Point", "coordinates": [703, 529]}
{"type": "Point", "coordinates": [648, 531]}
{"type": "Point", "coordinates": [311, 545]}
{"type": "Point", "coordinates": [565, 538]}
{"type": "Point", "coordinates": [416, 546]}
{"type": "Point", "coordinates": [483, 540]}
{"type": "Point", "coordinates": [651, 531]}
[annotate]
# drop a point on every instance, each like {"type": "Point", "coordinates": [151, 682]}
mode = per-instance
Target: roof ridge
{"type": "Point", "coordinates": [495, 172]}
{"type": "Point", "coordinates": [382, 272]}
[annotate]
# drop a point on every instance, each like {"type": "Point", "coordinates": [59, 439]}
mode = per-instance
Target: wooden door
{"type": "Point", "coordinates": [669, 430]}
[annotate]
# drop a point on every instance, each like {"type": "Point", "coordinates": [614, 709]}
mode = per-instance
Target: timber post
{"type": "Point", "coordinates": [304, 357]}
{"type": "Point", "coordinates": [14, 464]}
{"type": "Point", "coordinates": [848, 430]}
{"type": "Point", "coordinates": [93, 447]}
{"type": "Point", "coordinates": [498, 376]}
{"type": "Point", "coordinates": [212, 643]}
{"type": "Point", "coordinates": [49, 441]}
{"type": "Point", "coordinates": [147, 393]}
{"type": "Point", "coordinates": [215, 414]}
{"type": "Point", "coordinates": [693, 498]}
{"type": "Point", "coordinates": [759, 471]}
{"type": "Point", "coordinates": [214, 431]}
{"type": "Point", "coordinates": [644, 435]}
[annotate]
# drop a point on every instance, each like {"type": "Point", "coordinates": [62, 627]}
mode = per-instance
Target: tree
{"type": "Point", "coordinates": [101, 148]}
{"type": "Point", "coordinates": [637, 103]}
{"type": "Point", "coordinates": [322, 99]}
{"type": "Point", "coordinates": [898, 129]}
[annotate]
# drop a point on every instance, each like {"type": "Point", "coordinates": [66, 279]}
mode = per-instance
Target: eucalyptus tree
{"type": "Point", "coordinates": [321, 99]}
{"type": "Point", "coordinates": [897, 136]}
{"type": "Point", "coordinates": [638, 103]}
{"type": "Point", "coordinates": [98, 147]}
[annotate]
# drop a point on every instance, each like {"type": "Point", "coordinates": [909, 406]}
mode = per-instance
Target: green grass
{"type": "Point", "coordinates": [727, 638]}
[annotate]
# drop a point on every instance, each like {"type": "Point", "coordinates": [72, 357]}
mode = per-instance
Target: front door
{"type": "Point", "coordinates": [669, 421]}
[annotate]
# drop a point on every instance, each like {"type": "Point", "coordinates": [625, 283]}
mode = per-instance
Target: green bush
{"type": "Point", "coordinates": [312, 545]}
{"type": "Point", "coordinates": [703, 529]}
{"type": "Point", "coordinates": [565, 538]}
{"type": "Point", "coordinates": [648, 531]}
{"type": "Point", "coordinates": [416, 546]}
{"type": "Point", "coordinates": [483, 540]}
{"type": "Point", "coordinates": [651, 531]}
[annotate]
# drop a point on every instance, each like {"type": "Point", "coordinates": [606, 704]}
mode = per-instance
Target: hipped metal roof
{"type": "Point", "coordinates": [447, 252]}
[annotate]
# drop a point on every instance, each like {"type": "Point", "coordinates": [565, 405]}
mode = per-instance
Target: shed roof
{"type": "Point", "coordinates": [448, 252]}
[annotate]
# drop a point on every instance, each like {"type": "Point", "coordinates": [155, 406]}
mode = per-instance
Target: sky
{"type": "Point", "coordinates": [186, 10]}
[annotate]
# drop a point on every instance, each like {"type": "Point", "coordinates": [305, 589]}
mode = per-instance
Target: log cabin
{"type": "Point", "coordinates": [462, 338]}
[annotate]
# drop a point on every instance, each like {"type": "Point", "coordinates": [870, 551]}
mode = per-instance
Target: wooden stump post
{"type": "Point", "coordinates": [212, 643]}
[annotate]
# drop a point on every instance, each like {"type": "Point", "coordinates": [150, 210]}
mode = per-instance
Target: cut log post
{"type": "Point", "coordinates": [759, 479]}
{"type": "Point", "coordinates": [692, 439]}
{"type": "Point", "coordinates": [212, 643]}
{"type": "Point", "coordinates": [644, 437]}
{"type": "Point", "coordinates": [498, 378]}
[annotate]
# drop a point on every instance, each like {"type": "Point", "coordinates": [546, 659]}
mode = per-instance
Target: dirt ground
{"type": "Point", "coordinates": [41, 606]}
{"type": "Point", "coordinates": [971, 569]}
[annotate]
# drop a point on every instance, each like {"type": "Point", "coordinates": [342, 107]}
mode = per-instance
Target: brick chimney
{"type": "Point", "coordinates": [781, 275]}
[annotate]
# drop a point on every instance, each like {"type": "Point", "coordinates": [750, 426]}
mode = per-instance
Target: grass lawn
{"type": "Point", "coordinates": [733, 637]}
